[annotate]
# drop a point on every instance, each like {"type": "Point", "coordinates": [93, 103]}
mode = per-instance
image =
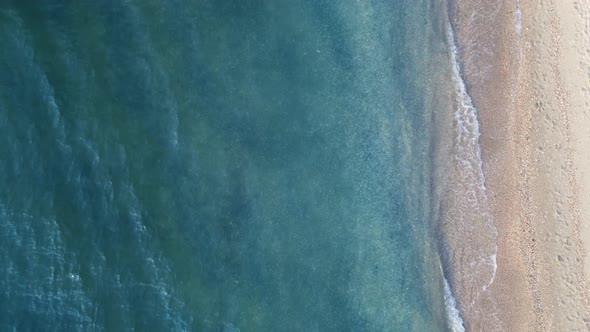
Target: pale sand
{"type": "Point", "coordinates": [537, 166]}
{"type": "Point", "coordinates": [535, 125]}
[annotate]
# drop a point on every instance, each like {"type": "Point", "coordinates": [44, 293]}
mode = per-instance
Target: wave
{"type": "Point", "coordinates": [453, 315]}
{"type": "Point", "coordinates": [466, 117]}
{"type": "Point", "coordinates": [468, 155]}
{"type": "Point", "coordinates": [470, 231]}
{"type": "Point", "coordinates": [454, 318]}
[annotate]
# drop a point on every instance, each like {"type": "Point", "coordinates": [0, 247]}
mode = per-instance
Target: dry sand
{"type": "Point", "coordinates": [537, 164]}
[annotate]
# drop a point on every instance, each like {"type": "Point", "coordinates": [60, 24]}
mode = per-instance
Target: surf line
{"type": "Point", "coordinates": [454, 318]}
{"type": "Point", "coordinates": [468, 124]}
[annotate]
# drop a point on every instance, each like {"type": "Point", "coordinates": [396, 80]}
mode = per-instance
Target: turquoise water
{"type": "Point", "coordinates": [218, 166]}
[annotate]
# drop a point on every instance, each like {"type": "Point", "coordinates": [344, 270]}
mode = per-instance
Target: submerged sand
{"type": "Point", "coordinates": [534, 113]}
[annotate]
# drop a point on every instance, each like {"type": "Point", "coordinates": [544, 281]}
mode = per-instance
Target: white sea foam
{"type": "Point", "coordinates": [518, 18]}
{"type": "Point", "coordinates": [476, 223]}
{"type": "Point", "coordinates": [453, 315]}
{"type": "Point", "coordinates": [454, 319]}
{"type": "Point", "coordinates": [494, 269]}
{"type": "Point", "coordinates": [466, 117]}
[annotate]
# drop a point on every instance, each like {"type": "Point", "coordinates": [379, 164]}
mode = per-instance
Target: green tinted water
{"type": "Point", "coordinates": [215, 165]}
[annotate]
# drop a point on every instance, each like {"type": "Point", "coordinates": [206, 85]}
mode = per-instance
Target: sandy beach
{"type": "Point", "coordinates": [530, 80]}
{"type": "Point", "coordinates": [536, 149]}
{"type": "Point", "coordinates": [552, 145]}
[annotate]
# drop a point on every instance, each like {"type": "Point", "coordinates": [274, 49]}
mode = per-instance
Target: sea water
{"type": "Point", "coordinates": [219, 166]}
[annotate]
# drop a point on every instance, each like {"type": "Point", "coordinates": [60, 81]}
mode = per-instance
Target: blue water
{"type": "Point", "coordinates": [213, 165]}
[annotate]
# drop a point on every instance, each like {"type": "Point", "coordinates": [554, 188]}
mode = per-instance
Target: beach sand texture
{"type": "Point", "coordinates": [530, 80]}
{"type": "Point", "coordinates": [553, 156]}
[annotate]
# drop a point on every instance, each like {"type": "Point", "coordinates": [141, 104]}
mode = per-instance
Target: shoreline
{"type": "Point", "coordinates": [534, 101]}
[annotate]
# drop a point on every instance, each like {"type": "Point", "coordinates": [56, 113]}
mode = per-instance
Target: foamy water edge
{"type": "Point", "coordinates": [467, 123]}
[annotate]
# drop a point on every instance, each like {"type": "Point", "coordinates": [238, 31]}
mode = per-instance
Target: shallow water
{"type": "Point", "coordinates": [217, 166]}
{"type": "Point", "coordinates": [484, 41]}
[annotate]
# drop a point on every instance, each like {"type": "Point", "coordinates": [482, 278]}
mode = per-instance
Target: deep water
{"type": "Point", "coordinates": [206, 165]}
